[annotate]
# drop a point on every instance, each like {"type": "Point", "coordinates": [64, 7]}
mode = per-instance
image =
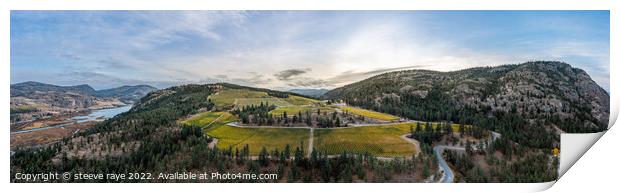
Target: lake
{"type": "Point", "coordinates": [102, 113]}
{"type": "Point", "coordinates": [92, 116]}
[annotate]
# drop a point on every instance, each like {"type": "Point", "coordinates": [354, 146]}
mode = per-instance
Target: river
{"type": "Point", "coordinates": [92, 116]}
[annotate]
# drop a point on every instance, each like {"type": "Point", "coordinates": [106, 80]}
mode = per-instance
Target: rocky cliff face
{"type": "Point", "coordinates": [536, 90]}
{"type": "Point", "coordinates": [47, 96]}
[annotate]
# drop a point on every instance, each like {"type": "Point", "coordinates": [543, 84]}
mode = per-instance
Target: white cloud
{"type": "Point", "coordinates": [249, 48]}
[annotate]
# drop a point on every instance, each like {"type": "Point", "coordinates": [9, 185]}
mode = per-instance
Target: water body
{"type": "Point", "coordinates": [102, 114]}
{"type": "Point", "coordinates": [92, 116]}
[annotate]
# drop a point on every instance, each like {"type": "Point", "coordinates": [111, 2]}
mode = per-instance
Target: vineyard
{"type": "Point", "coordinates": [297, 100]}
{"type": "Point", "coordinates": [381, 140]}
{"type": "Point", "coordinates": [370, 114]}
{"type": "Point", "coordinates": [256, 138]}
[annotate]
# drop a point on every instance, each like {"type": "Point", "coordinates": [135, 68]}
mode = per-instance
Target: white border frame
{"type": "Point", "coordinates": [310, 5]}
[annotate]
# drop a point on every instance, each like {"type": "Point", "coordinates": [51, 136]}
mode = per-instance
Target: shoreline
{"type": "Point", "coordinates": [66, 120]}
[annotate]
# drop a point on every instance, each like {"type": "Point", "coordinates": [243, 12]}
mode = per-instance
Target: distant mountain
{"type": "Point", "coordinates": [34, 99]}
{"type": "Point", "coordinates": [549, 94]}
{"type": "Point", "coordinates": [127, 94]}
{"type": "Point", "coordinates": [27, 88]}
{"type": "Point", "coordinates": [310, 92]}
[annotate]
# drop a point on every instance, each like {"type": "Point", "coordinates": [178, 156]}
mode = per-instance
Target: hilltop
{"type": "Point", "coordinates": [563, 98]}
{"type": "Point", "coordinates": [310, 92]}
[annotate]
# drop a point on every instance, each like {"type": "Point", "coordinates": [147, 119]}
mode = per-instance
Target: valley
{"type": "Point", "coordinates": [45, 113]}
{"type": "Point", "coordinates": [412, 133]}
{"type": "Point", "coordinates": [51, 130]}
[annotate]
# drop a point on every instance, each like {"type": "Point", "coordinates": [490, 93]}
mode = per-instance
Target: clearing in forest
{"type": "Point", "coordinates": [297, 100]}
{"type": "Point", "coordinates": [210, 119]}
{"type": "Point", "coordinates": [229, 98]}
{"type": "Point", "coordinates": [226, 98]}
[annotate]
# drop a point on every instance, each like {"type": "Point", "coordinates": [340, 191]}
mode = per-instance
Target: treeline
{"type": "Point", "coordinates": [188, 150]}
{"type": "Point", "coordinates": [327, 121]}
{"type": "Point", "coordinates": [436, 107]}
{"type": "Point", "coordinates": [157, 110]}
{"type": "Point", "coordinates": [23, 109]}
{"type": "Point", "coordinates": [278, 94]}
{"type": "Point", "coordinates": [427, 133]}
{"type": "Point", "coordinates": [260, 115]}
{"type": "Point", "coordinates": [151, 125]}
{"type": "Point", "coordinates": [531, 168]}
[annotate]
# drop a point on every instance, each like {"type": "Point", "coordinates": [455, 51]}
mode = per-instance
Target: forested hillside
{"type": "Point", "coordinates": [523, 102]}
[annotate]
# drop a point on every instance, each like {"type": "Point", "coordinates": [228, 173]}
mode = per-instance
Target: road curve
{"type": "Point", "coordinates": [448, 175]}
{"type": "Point", "coordinates": [443, 165]}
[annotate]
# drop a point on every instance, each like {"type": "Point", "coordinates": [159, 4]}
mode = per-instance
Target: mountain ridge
{"type": "Point", "coordinates": [535, 90]}
{"type": "Point", "coordinates": [29, 87]}
{"type": "Point", "coordinates": [33, 100]}
{"type": "Point", "coordinates": [310, 92]}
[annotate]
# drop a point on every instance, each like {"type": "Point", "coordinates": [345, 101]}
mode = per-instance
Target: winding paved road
{"type": "Point", "coordinates": [448, 175]}
{"type": "Point", "coordinates": [444, 168]}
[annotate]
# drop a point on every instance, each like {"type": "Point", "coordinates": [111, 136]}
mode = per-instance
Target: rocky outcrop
{"type": "Point", "coordinates": [536, 90]}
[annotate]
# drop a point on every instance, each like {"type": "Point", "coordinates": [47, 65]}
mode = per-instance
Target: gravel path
{"type": "Point", "coordinates": [416, 143]}
{"type": "Point", "coordinates": [311, 142]}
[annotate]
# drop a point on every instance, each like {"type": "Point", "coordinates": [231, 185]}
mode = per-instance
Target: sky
{"type": "Point", "coordinates": [292, 49]}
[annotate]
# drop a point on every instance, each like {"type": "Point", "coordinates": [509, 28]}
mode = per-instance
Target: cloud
{"type": "Point", "coordinates": [177, 25]}
{"type": "Point", "coordinates": [221, 76]}
{"type": "Point", "coordinates": [112, 63]}
{"type": "Point", "coordinates": [137, 44]}
{"type": "Point", "coordinates": [278, 49]}
{"type": "Point", "coordinates": [71, 56]}
{"type": "Point", "coordinates": [288, 74]}
{"type": "Point", "coordinates": [310, 82]}
{"type": "Point", "coordinates": [256, 79]}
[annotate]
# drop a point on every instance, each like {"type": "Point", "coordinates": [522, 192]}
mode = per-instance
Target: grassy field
{"type": "Point", "coordinates": [297, 100]}
{"type": "Point", "coordinates": [257, 138]}
{"type": "Point", "coordinates": [226, 98]}
{"type": "Point", "coordinates": [293, 110]}
{"type": "Point", "coordinates": [367, 113]}
{"type": "Point", "coordinates": [204, 119]}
